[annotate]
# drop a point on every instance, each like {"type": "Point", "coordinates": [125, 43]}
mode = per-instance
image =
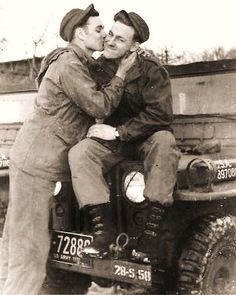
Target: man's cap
{"type": "Point", "coordinates": [137, 22]}
{"type": "Point", "coordinates": [73, 19]}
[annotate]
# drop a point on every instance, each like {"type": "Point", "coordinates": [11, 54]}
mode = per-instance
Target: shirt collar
{"type": "Point", "coordinates": [110, 66]}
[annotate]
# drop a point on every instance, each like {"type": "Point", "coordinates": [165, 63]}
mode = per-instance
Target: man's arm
{"type": "Point", "coordinates": [77, 84]}
{"type": "Point", "coordinates": [157, 113]}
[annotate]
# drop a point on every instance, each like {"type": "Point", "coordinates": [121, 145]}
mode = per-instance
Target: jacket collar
{"type": "Point", "coordinates": [52, 56]}
{"type": "Point", "coordinates": [110, 66]}
{"type": "Point", "coordinates": [48, 59]}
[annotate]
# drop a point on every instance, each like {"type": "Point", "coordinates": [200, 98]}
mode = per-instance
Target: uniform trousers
{"type": "Point", "coordinates": [90, 160]}
{"type": "Point", "coordinates": [26, 240]}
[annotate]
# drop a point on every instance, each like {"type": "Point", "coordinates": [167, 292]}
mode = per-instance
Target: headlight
{"type": "Point", "coordinates": [57, 188]}
{"type": "Point", "coordinates": [134, 186]}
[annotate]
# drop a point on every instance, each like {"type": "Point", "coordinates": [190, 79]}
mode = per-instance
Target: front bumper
{"type": "Point", "coordinates": [113, 269]}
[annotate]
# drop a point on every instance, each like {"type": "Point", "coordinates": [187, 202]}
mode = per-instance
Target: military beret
{"type": "Point", "coordinates": [73, 19]}
{"type": "Point", "coordinates": [135, 20]}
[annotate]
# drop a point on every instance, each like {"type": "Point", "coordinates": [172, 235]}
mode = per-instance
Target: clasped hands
{"type": "Point", "coordinates": [102, 131]}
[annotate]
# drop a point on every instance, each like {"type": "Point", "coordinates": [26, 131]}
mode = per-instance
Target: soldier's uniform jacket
{"type": "Point", "coordinates": [66, 103]}
{"type": "Point", "coordinates": [146, 105]}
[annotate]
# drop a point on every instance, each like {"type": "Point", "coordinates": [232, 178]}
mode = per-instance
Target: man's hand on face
{"type": "Point", "coordinates": [125, 64]}
{"type": "Point", "coordinates": [102, 131]}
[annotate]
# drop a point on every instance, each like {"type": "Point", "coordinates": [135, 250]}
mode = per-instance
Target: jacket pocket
{"type": "Point", "coordinates": [67, 134]}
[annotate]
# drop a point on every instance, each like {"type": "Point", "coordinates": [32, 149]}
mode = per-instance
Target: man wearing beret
{"type": "Point", "coordinates": [140, 125]}
{"type": "Point", "coordinates": [66, 105]}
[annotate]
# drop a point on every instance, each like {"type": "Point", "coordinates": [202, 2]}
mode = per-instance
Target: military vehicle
{"type": "Point", "coordinates": [197, 240]}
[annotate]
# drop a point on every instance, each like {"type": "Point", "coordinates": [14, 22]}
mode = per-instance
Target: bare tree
{"type": "Point", "coordinates": [37, 42]}
{"type": "Point", "coordinates": [216, 54]}
{"type": "Point", "coordinates": [3, 44]}
{"type": "Point", "coordinates": [168, 56]}
{"type": "Point", "coordinates": [231, 53]}
{"type": "Point", "coordinates": [165, 56]}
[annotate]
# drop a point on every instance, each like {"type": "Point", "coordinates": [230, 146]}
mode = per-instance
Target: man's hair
{"type": "Point", "coordinates": [124, 20]}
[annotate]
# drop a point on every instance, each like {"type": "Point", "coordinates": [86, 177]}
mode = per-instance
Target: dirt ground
{"type": "Point", "coordinates": [81, 284]}
{"type": "Point", "coordinates": [66, 283]}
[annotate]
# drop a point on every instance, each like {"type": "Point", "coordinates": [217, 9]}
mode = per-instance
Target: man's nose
{"type": "Point", "coordinates": [110, 41]}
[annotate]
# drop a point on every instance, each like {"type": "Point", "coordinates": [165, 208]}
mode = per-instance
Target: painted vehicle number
{"type": "Point", "coordinates": [134, 272]}
{"type": "Point", "coordinates": [66, 246]}
{"type": "Point", "coordinates": [225, 170]}
{"type": "Point", "coordinates": [4, 161]}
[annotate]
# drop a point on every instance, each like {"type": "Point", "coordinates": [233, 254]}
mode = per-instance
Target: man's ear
{"type": "Point", "coordinates": [80, 33]}
{"type": "Point", "coordinates": [135, 46]}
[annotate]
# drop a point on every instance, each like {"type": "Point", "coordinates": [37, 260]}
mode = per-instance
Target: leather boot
{"type": "Point", "coordinates": [147, 244]}
{"type": "Point", "coordinates": [103, 231]}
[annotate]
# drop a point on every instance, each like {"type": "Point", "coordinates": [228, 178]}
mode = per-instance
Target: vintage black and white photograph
{"type": "Point", "coordinates": [118, 147]}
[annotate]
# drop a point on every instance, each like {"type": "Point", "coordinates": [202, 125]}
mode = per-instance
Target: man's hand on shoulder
{"type": "Point", "coordinates": [142, 51]}
{"type": "Point", "coordinates": [102, 131]}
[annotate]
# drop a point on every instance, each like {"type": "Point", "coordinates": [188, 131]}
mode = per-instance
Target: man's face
{"type": "Point", "coordinates": [94, 34]}
{"type": "Point", "coordinates": [119, 41]}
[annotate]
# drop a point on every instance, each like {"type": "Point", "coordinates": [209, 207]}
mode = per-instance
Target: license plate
{"type": "Point", "coordinates": [132, 272]}
{"type": "Point", "coordinates": [66, 246]}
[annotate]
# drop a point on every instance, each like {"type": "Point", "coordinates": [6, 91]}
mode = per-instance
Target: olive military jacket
{"type": "Point", "coordinates": [146, 105]}
{"type": "Point", "coordinates": [65, 107]}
